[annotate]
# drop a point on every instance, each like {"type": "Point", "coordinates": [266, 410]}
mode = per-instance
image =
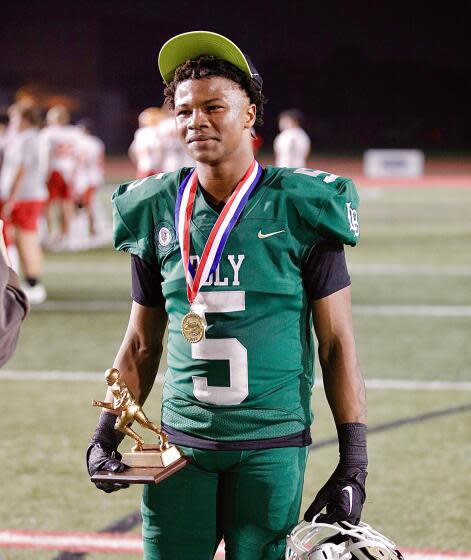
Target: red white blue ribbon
{"type": "Point", "coordinates": [219, 235]}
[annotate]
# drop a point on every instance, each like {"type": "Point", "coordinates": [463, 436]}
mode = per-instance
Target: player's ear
{"type": "Point", "coordinates": [250, 116]}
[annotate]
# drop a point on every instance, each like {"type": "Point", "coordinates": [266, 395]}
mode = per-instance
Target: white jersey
{"type": "Point", "coordinates": [8, 134]}
{"type": "Point", "coordinates": [173, 153]}
{"type": "Point", "coordinates": [291, 148]}
{"type": "Point", "coordinates": [146, 150]}
{"type": "Point", "coordinates": [22, 150]}
{"type": "Point", "coordinates": [90, 163]}
{"type": "Point", "coordinates": [58, 151]}
{"type": "Point", "coordinates": [3, 143]}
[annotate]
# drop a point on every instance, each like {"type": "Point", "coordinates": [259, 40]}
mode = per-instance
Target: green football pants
{"type": "Point", "coordinates": [250, 498]}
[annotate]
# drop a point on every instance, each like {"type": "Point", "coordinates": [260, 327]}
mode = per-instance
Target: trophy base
{"type": "Point", "coordinates": [140, 475]}
{"type": "Point", "coordinates": [151, 456]}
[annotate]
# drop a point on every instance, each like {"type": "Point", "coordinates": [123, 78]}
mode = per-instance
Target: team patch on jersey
{"type": "Point", "coordinates": [165, 237]}
{"type": "Point", "coordinates": [352, 216]}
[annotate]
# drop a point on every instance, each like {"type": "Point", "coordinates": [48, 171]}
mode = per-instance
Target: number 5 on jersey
{"type": "Point", "coordinates": [229, 349]}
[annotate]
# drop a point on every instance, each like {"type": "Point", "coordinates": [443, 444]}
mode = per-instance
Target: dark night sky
{"type": "Point", "coordinates": [364, 73]}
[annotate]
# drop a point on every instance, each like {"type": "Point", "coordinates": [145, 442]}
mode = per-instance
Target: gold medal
{"type": "Point", "coordinates": [193, 327]}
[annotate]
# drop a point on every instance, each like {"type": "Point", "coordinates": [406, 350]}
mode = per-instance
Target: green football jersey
{"type": "Point", "coordinates": [251, 376]}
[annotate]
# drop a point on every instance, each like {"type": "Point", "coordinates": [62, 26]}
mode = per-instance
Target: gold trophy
{"type": "Point", "coordinates": [146, 462]}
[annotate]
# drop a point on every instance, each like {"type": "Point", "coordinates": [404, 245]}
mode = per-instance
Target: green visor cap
{"type": "Point", "coordinates": [187, 46]}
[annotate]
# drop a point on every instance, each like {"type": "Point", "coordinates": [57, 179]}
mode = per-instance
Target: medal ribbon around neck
{"type": "Point", "coordinates": [219, 235]}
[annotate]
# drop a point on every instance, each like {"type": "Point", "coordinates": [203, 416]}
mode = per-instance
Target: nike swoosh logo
{"type": "Point", "coordinates": [349, 491]}
{"type": "Point", "coordinates": [265, 235]}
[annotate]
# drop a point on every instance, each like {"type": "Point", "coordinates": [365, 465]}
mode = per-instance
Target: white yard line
{"type": "Point", "coordinates": [413, 310]}
{"type": "Point", "coordinates": [380, 384]}
{"type": "Point", "coordinates": [53, 375]}
{"type": "Point", "coordinates": [408, 385]}
{"type": "Point", "coordinates": [409, 270]}
{"type": "Point", "coordinates": [88, 306]}
{"type": "Point", "coordinates": [70, 266]}
{"type": "Point", "coordinates": [368, 310]}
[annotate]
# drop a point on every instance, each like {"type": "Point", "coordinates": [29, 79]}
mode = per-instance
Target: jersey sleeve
{"type": "Point", "coordinates": [133, 222]}
{"type": "Point", "coordinates": [327, 206]}
{"type": "Point", "coordinates": [138, 208]}
{"type": "Point", "coordinates": [338, 218]}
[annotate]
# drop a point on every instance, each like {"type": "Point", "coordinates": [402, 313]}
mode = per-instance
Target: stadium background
{"type": "Point", "coordinates": [366, 76]}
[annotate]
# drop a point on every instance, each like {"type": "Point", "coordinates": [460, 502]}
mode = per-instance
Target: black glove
{"type": "Point", "coordinates": [344, 492]}
{"type": "Point", "coordinates": [102, 452]}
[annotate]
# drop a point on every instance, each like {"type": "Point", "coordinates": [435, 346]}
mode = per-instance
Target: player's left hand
{"type": "Point", "coordinates": [343, 495]}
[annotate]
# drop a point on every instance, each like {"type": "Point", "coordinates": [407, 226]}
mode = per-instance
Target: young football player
{"type": "Point", "coordinates": [145, 150]}
{"type": "Point", "coordinates": [172, 152]}
{"type": "Point", "coordinates": [90, 171]}
{"type": "Point", "coordinates": [239, 263]}
{"type": "Point", "coordinates": [22, 199]}
{"type": "Point", "coordinates": [58, 151]}
{"type": "Point", "coordinates": [292, 145]}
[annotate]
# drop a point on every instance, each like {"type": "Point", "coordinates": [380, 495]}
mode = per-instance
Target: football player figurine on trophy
{"type": "Point", "coordinates": [124, 402]}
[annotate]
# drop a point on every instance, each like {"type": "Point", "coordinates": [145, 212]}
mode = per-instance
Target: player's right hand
{"type": "Point", "coordinates": [100, 457]}
{"type": "Point", "coordinates": [102, 452]}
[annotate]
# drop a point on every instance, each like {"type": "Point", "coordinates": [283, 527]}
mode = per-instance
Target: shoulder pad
{"type": "Point", "coordinates": [136, 205]}
{"type": "Point", "coordinates": [150, 186]}
{"type": "Point", "coordinates": [326, 202]}
{"type": "Point", "coordinates": [294, 176]}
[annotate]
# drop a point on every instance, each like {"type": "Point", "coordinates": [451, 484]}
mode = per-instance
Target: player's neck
{"type": "Point", "coordinates": [221, 179]}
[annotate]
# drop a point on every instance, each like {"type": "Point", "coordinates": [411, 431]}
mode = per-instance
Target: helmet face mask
{"type": "Point", "coordinates": [342, 541]}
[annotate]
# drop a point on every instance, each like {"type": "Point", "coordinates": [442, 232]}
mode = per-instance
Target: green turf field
{"type": "Point", "coordinates": [411, 279]}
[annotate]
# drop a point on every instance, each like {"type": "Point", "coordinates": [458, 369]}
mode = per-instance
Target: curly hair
{"type": "Point", "coordinates": [206, 66]}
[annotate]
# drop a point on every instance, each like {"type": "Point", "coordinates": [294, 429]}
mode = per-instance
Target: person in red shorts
{"type": "Point", "coordinates": [58, 153]}
{"type": "Point", "coordinates": [22, 200]}
{"type": "Point", "coordinates": [90, 172]}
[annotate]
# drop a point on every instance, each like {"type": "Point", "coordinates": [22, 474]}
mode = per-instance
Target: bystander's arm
{"type": "Point", "coordinates": [14, 304]}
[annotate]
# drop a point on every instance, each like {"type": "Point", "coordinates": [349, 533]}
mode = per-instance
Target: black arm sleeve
{"type": "Point", "coordinates": [146, 283]}
{"type": "Point", "coordinates": [325, 270]}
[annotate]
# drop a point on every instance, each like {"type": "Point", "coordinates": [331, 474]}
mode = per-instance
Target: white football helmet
{"type": "Point", "coordinates": [342, 541]}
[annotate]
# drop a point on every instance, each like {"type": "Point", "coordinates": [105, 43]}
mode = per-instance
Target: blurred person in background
{"type": "Point", "coordinates": [292, 145]}
{"type": "Point", "coordinates": [22, 199]}
{"type": "Point", "coordinates": [11, 130]}
{"type": "Point", "coordinates": [58, 147]}
{"type": "Point", "coordinates": [4, 120]}
{"type": "Point", "coordinates": [90, 172]}
{"type": "Point", "coordinates": [257, 141]}
{"type": "Point", "coordinates": [13, 118]}
{"type": "Point", "coordinates": [144, 150]}
{"type": "Point", "coordinates": [173, 154]}
{"type": "Point", "coordinates": [14, 304]}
